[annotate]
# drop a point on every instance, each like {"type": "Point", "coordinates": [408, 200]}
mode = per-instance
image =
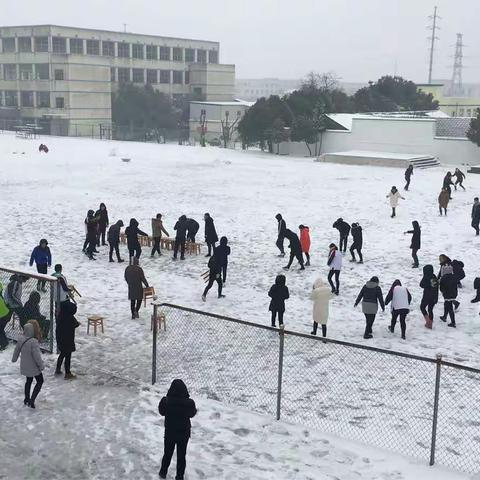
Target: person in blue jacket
{"type": "Point", "coordinates": [43, 259]}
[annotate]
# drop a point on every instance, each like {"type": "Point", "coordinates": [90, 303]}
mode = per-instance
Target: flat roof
{"type": "Point", "coordinates": [234, 103]}
{"type": "Point", "coordinates": [108, 31]}
{"type": "Point", "coordinates": [388, 155]}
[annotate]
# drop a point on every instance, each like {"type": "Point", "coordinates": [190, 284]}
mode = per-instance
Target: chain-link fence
{"type": "Point", "coordinates": [416, 406]}
{"type": "Point", "coordinates": [30, 297]}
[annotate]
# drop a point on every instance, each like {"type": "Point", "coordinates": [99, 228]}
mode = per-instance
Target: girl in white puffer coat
{"type": "Point", "coordinates": [321, 296]}
{"type": "Point", "coordinates": [394, 196]}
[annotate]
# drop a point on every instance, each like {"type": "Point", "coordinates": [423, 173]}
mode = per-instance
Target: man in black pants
{"type": "Point", "coordinates": [357, 242]}
{"type": "Point", "coordinates": [282, 227]}
{"type": "Point", "coordinates": [215, 275]}
{"type": "Point", "coordinates": [192, 229]}
{"type": "Point", "coordinates": [476, 215]}
{"type": "Point", "coordinates": [180, 237]}
{"type": "Point", "coordinates": [222, 252]}
{"type": "Point", "coordinates": [408, 176]}
{"type": "Point", "coordinates": [114, 240]}
{"type": "Point", "coordinates": [449, 289]}
{"type": "Point", "coordinates": [295, 249]}
{"type": "Point", "coordinates": [344, 229]}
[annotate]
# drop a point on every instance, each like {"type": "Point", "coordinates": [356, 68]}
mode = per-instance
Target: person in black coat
{"type": "Point", "coordinates": [102, 215]}
{"type": "Point", "coordinates": [408, 176]}
{"type": "Point", "coordinates": [447, 181]}
{"type": "Point", "coordinates": [449, 289]}
{"type": "Point", "coordinates": [211, 237]}
{"type": "Point", "coordinates": [416, 241]}
{"type": "Point", "coordinates": [177, 408]}
{"type": "Point", "coordinates": [371, 296]}
{"type": "Point", "coordinates": [357, 244]}
{"type": "Point", "coordinates": [476, 287]}
{"type": "Point", "coordinates": [282, 228]}
{"type": "Point", "coordinates": [458, 271]}
{"type": "Point", "coordinates": [222, 252]}
{"type": "Point", "coordinates": [180, 237]}
{"type": "Point", "coordinates": [65, 335]}
{"type": "Point", "coordinates": [344, 229]}
{"type": "Point", "coordinates": [460, 177]}
{"type": "Point", "coordinates": [278, 293]}
{"type": "Point", "coordinates": [192, 229]}
{"type": "Point", "coordinates": [113, 238]}
{"type": "Point", "coordinates": [133, 245]}
{"type": "Point", "coordinates": [215, 275]}
{"type": "Point", "coordinates": [429, 283]}
{"type": "Point", "coordinates": [476, 216]}
{"type": "Point", "coordinates": [295, 249]}
{"type": "Point", "coordinates": [92, 227]}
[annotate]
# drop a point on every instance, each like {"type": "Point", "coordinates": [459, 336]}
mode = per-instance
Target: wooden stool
{"type": "Point", "coordinates": [73, 291]}
{"type": "Point", "coordinates": [159, 319]}
{"type": "Point", "coordinates": [123, 238]}
{"type": "Point", "coordinates": [148, 292]}
{"type": "Point", "coordinates": [94, 320]}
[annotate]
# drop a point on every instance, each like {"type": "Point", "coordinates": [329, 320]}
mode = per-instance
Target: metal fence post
{"type": "Point", "coordinates": [154, 345]}
{"type": "Point", "coordinates": [280, 370]}
{"type": "Point", "coordinates": [435, 409]}
{"type": "Point", "coordinates": [52, 314]}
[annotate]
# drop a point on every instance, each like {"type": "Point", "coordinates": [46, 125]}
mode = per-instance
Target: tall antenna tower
{"type": "Point", "coordinates": [433, 27]}
{"type": "Point", "coordinates": [457, 84]}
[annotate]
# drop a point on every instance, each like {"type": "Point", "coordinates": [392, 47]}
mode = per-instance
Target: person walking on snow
{"type": "Point", "coordinates": [135, 278]}
{"type": "Point", "coordinates": [449, 289]}
{"type": "Point", "coordinates": [192, 229]}
{"type": "Point", "coordinates": [476, 216]}
{"type": "Point", "coordinates": [446, 265]}
{"type": "Point", "coordinates": [476, 287]}
{"type": "Point", "coordinates": [295, 249]}
{"type": "Point", "coordinates": [214, 275]}
{"type": "Point", "coordinates": [180, 237]}
{"type": "Point", "coordinates": [321, 296]}
{"type": "Point", "coordinates": [211, 237]}
{"type": "Point", "coordinates": [103, 223]}
{"type": "Point", "coordinates": [278, 293]}
{"type": "Point", "coordinates": [114, 241]}
{"type": "Point", "coordinates": [460, 176]}
{"type": "Point", "coordinates": [344, 229]}
{"type": "Point", "coordinates": [447, 181]}
{"type": "Point", "coordinates": [335, 263]}
{"type": "Point", "coordinates": [65, 336]}
{"type": "Point", "coordinates": [408, 176]}
{"type": "Point", "coordinates": [394, 196]}
{"type": "Point", "coordinates": [157, 230]}
{"type": "Point", "coordinates": [91, 224]}
{"type": "Point", "coordinates": [416, 241]}
{"type": "Point", "coordinates": [177, 408]}
{"type": "Point", "coordinates": [370, 295]}
{"type": "Point", "coordinates": [42, 257]}
{"type": "Point", "coordinates": [222, 252]}
{"type": "Point", "coordinates": [132, 232]}
{"type": "Point", "coordinates": [282, 228]}
{"type": "Point", "coordinates": [443, 200]}
{"type": "Point", "coordinates": [357, 244]}
{"type": "Point", "coordinates": [429, 283]}
{"type": "Point", "coordinates": [31, 362]}
{"type": "Point", "coordinates": [305, 242]}
{"type": "Point", "coordinates": [401, 300]}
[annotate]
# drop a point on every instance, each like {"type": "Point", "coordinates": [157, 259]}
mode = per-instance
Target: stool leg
{"type": "Point", "coordinates": [102, 327]}
{"type": "Point", "coordinates": [95, 329]}
{"type": "Point", "coordinates": [88, 327]}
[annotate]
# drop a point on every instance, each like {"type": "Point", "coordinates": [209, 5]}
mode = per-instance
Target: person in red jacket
{"type": "Point", "coordinates": [305, 242]}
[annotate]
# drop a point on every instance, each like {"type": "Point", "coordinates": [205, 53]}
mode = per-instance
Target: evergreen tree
{"type": "Point", "coordinates": [473, 133]}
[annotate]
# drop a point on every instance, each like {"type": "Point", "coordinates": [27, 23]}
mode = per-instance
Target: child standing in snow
{"type": "Point", "coordinates": [416, 241]}
{"type": "Point", "coordinates": [321, 297]}
{"type": "Point", "coordinates": [335, 263]}
{"type": "Point", "coordinates": [401, 299]}
{"type": "Point", "coordinates": [394, 196]}
{"type": "Point", "coordinates": [43, 259]}
{"type": "Point", "coordinates": [278, 293]}
{"type": "Point", "coordinates": [357, 244]}
{"type": "Point", "coordinates": [429, 284]}
{"type": "Point", "coordinates": [305, 242]}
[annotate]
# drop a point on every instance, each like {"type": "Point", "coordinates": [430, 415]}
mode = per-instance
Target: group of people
{"type": "Point", "coordinates": [299, 245]}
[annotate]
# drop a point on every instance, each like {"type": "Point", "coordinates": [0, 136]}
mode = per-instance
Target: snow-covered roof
{"type": "Point", "coordinates": [233, 103]}
{"type": "Point", "coordinates": [345, 120]}
{"type": "Point", "coordinates": [388, 155]}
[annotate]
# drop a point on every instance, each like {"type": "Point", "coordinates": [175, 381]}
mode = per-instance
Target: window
{"type": "Point", "coordinates": [124, 75]}
{"type": "Point", "coordinates": [42, 71]}
{"type": "Point", "coordinates": [24, 44]}
{"type": "Point", "coordinates": [152, 52]}
{"type": "Point", "coordinates": [43, 99]}
{"type": "Point", "coordinates": [164, 76]}
{"type": "Point", "coordinates": [138, 75]}
{"type": "Point", "coordinates": [26, 71]}
{"type": "Point", "coordinates": [197, 93]}
{"type": "Point", "coordinates": [164, 53]}
{"type": "Point", "coordinates": [177, 77]}
{"type": "Point", "coordinates": [177, 55]}
{"type": "Point", "coordinates": [108, 49]}
{"type": "Point", "coordinates": [60, 102]}
{"type": "Point", "coordinates": [213, 56]}
{"type": "Point", "coordinates": [123, 50]}
{"type": "Point", "coordinates": [112, 74]}
{"type": "Point", "coordinates": [41, 44]}
{"type": "Point", "coordinates": [187, 78]}
{"type": "Point", "coordinates": [8, 44]}
{"type": "Point", "coordinates": [11, 98]}
{"type": "Point", "coordinates": [93, 47]}
{"type": "Point", "coordinates": [1, 99]}
{"type": "Point", "coordinates": [27, 99]}
{"type": "Point", "coordinates": [59, 74]}
{"type": "Point", "coordinates": [137, 51]}
{"type": "Point", "coordinates": [76, 46]}
{"type": "Point", "coordinates": [152, 76]}
{"type": "Point", "coordinates": [9, 71]}
{"type": "Point", "coordinates": [59, 45]}
{"type": "Point", "coordinates": [190, 55]}
{"type": "Point", "coordinates": [201, 56]}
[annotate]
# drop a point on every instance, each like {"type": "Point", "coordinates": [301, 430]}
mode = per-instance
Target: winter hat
{"type": "Point", "coordinates": [178, 389]}
{"type": "Point", "coordinates": [332, 245]}
{"type": "Point", "coordinates": [43, 240]}
{"type": "Point", "coordinates": [278, 216]}
{"type": "Point", "coordinates": [375, 280]}
{"type": "Point", "coordinates": [280, 280]}
{"type": "Point", "coordinates": [428, 271]}
{"type": "Point", "coordinates": [223, 241]}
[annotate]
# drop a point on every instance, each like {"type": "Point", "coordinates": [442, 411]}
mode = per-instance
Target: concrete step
{"type": "Point", "coordinates": [474, 170]}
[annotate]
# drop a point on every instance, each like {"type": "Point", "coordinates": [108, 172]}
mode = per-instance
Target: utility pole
{"type": "Point", "coordinates": [434, 27]}
{"type": "Point", "coordinates": [457, 84]}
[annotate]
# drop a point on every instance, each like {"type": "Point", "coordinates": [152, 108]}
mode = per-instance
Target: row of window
{"type": "Point", "coordinates": [30, 71]}
{"type": "Point", "coordinates": [467, 112]}
{"type": "Point", "coordinates": [106, 48]}
{"type": "Point", "coordinates": [140, 75]}
{"type": "Point", "coordinates": [10, 98]}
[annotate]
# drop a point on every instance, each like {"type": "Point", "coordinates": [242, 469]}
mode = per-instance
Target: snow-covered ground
{"type": "Point", "coordinates": [114, 421]}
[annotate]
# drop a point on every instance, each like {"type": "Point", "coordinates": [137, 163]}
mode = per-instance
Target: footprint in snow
{"type": "Point", "coordinates": [319, 453]}
{"type": "Point", "coordinates": [215, 415]}
{"type": "Point", "coordinates": [241, 432]}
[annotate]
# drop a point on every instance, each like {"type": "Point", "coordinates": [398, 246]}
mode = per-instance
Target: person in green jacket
{"type": "Point", "coordinates": [5, 316]}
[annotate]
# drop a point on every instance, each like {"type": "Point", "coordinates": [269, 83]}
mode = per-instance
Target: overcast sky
{"type": "Point", "coordinates": [359, 40]}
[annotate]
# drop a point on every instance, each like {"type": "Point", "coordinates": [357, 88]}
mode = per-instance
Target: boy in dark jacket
{"type": "Point", "coordinates": [177, 408]}
{"type": "Point", "coordinates": [192, 228]}
{"type": "Point", "coordinates": [357, 244]}
{"type": "Point", "coordinates": [43, 259]}
{"type": "Point", "coordinates": [113, 238]}
{"type": "Point", "coordinates": [448, 287]}
{"type": "Point", "coordinates": [65, 336]}
{"type": "Point", "coordinates": [133, 245]}
{"type": "Point", "coordinates": [103, 223]}
{"type": "Point", "coordinates": [344, 229]}
{"type": "Point", "coordinates": [408, 176]}
{"type": "Point", "coordinates": [429, 283]}
{"type": "Point", "coordinates": [416, 242]}
{"type": "Point", "coordinates": [215, 275]}
{"type": "Point", "coordinates": [211, 237]}
{"type": "Point", "coordinates": [180, 237]}
{"type": "Point", "coordinates": [91, 224]}
{"type": "Point", "coordinates": [222, 252]}
{"type": "Point", "coordinates": [295, 249]}
{"type": "Point", "coordinates": [278, 293]}
{"type": "Point", "coordinates": [282, 227]}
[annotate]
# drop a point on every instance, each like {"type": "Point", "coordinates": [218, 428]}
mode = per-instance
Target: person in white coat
{"type": "Point", "coordinates": [335, 259]}
{"type": "Point", "coordinates": [401, 300]}
{"type": "Point", "coordinates": [321, 296]}
{"type": "Point", "coordinates": [31, 363]}
{"type": "Point", "coordinates": [394, 196]}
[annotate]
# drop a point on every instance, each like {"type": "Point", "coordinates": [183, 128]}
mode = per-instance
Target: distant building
{"type": "Point", "coordinates": [254, 88]}
{"type": "Point", "coordinates": [62, 78]}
